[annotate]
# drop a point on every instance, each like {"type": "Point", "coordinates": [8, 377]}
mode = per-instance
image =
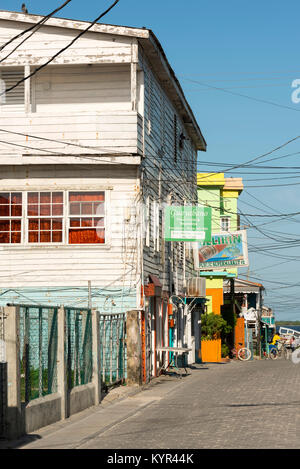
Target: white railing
{"type": "Point", "coordinates": [70, 134]}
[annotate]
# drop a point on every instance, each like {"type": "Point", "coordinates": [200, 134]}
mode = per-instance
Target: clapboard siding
{"type": "Point", "coordinates": [102, 132]}
{"type": "Point", "coordinates": [84, 105]}
{"type": "Point", "coordinates": [66, 265]}
{"type": "Point", "coordinates": [95, 106]}
{"type": "Point", "coordinates": [165, 176]}
{"type": "Point", "coordinates": [69, 88]}
{"type": "Point", "coordinates": [91, 48]}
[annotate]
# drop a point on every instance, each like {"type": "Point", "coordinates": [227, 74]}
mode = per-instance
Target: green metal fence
{"type": "Point", "coordinates": [78, 346]}
{"type": "Point", "coordinates": [39, 342]}
{"type": "Point", "coordinates": [38, 351]}
{"type": "Point", "coordinates": [113, 348]}
{"type": "Point", "coordinates": [3, 376]}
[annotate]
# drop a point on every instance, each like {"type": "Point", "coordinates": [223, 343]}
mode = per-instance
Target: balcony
{"type": "Point", "coordinates": [66, 137]}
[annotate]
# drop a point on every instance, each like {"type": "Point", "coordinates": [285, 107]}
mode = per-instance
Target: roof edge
{"type": "Point", "coordinates": [75, 24]}
{"type": "Point", "coordinates": [142, 34]}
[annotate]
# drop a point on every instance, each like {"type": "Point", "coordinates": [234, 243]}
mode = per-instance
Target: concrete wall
{"type": "Point", "coordinates": [81, 398]}
{"type": "Point", "coordinates": [25, 418]}
{"type": "Point", "coordinates": [42, 412]}
{"type": "Point", "coordinates": [47, 410]}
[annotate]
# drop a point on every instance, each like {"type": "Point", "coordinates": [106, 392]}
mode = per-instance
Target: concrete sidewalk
{"type": "Point", "coordinates": [118, 405]}
{"type": "Point", "coordinates": [246, 405]}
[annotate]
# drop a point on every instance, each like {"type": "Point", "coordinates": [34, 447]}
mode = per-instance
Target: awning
{"type": "Point", "coordinates": [155, 280]}
{"type": "Point", "coordinates": [221, 274]}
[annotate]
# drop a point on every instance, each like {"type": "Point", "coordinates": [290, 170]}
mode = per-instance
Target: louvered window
{"type": "Point", "coordinates": [11, 101]}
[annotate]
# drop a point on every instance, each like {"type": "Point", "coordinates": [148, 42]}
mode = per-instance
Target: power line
{"type": "Point", "coordinates": [274, 185]}
{"type": "Point", "coordinates": [36, 27]}
{"type": "Point", "coordinates": [268, 85]}
{"type": "Point", "coordinates": [225, 90]}
{"type": "Point", "coordinates": [61, 50]}
{"type": "Point", "coordinates": [242, 73]}
{"type": "Point", "coordinates": [61, 142]}
{"type": "Point", "coordinates": [257, 158]}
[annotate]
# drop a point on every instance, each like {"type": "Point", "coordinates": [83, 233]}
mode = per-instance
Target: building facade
{"type": "Point", "coordinates": [92, 147]}
{"type": "Point", "coordinates": [221, 194]}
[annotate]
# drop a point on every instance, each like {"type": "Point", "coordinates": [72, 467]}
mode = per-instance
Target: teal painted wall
{"type": "Point", "coordinates": [106, 300]}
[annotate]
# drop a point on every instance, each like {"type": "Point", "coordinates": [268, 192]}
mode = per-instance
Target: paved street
{"type": "Point", "coordinates": [234, 405]}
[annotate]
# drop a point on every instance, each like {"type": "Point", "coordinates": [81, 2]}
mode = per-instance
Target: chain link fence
{"type": "Point", "coordinates": [39, 342]}
{"type": "Point", "coordinates": [38, 351]}
{"type": "Point", "coordinates": [113, 348]}
{"type": "Point", "coordinates": [79, 354]}
{"type": "Point", "coordinates": [2, 337]}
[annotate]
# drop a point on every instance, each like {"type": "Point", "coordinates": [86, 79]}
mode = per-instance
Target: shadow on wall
{"type": "Point", "coordinates": [10, 437]}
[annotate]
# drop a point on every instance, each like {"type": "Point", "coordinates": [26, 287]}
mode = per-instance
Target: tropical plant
{"type": "Point", "coordinates": [212, 326]}
{"type": "Point", "coordinates": [224, 351]}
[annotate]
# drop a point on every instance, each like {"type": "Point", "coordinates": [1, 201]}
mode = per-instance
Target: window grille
{"type": "Point", "coordinates": [45, 217]}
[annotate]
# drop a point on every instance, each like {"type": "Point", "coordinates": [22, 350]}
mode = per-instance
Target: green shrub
{"type": "Point", "coordinates": [212, 326]}
{"type": "Point", "coordinates": [224, 351]}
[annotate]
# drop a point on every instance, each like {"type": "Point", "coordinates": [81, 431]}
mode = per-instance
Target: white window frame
{"type": "Point", "coordinates": [147, 222]}
{"type": "Point", "coordinates": [69, 216]}
{"type": "Point", "coordinates": [65, 219]}
{"type": "Point", "coordinates": [4, 107]}
{"type": "Point", "coordinates": [155, 224]}
{"type": "Point", "coordinates": [228, 219]}
{"type": "Point", "coordinates": [14, 218]}
{"type": "Point", "coordinates": [29, 217]}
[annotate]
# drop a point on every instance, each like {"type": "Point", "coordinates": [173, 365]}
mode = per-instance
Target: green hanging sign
{"type": "Point", "coordinates": [188, 223]}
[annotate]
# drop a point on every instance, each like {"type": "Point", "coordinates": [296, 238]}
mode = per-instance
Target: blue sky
{"type": "Point", "coordinates": [253, 49]}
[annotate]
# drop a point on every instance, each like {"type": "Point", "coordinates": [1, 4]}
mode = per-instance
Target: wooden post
{"type": "Point", "coordinates": [12, 339]}
{"type": "Point", "coordinates": [62, 383]}
{"type": "Point", "coordinates": [134, 352]}
{"type": "Point", "coordinates": [96, 379]}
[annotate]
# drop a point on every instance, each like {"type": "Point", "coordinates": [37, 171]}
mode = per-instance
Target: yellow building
{"type": "Point", "coordinates": [222, 195]}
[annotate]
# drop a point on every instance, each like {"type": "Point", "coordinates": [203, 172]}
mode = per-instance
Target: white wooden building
{"type": "Point", "coordinates": [85, 144]}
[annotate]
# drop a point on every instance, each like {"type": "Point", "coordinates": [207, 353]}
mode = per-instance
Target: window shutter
{"type": "Point", "coordinates": [13, 101]}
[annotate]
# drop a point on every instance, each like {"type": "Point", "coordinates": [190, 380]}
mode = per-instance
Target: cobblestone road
{"type": "Point", "coordinates": [234, 405]}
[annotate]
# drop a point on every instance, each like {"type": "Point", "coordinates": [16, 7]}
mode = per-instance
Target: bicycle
{"type": "Point", "coordinates": [243, 353]}
{"type": "Point", "coordinates": [278, 351]}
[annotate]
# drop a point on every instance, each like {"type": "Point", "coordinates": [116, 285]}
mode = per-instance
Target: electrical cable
{"type": "Point", "coordinates": [61, 50]}
{"type": "Point", "coordinates": [225, 90]}
{"type": "Point", "coordinates": [36, 28]}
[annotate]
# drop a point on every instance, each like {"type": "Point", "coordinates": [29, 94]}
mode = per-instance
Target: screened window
{"type": "Point", "coordinates": [10, 217]}
{"type": "Point", "coordinates": [86, 218]}
{"type": "Point", "coordinates": [45, 217]}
